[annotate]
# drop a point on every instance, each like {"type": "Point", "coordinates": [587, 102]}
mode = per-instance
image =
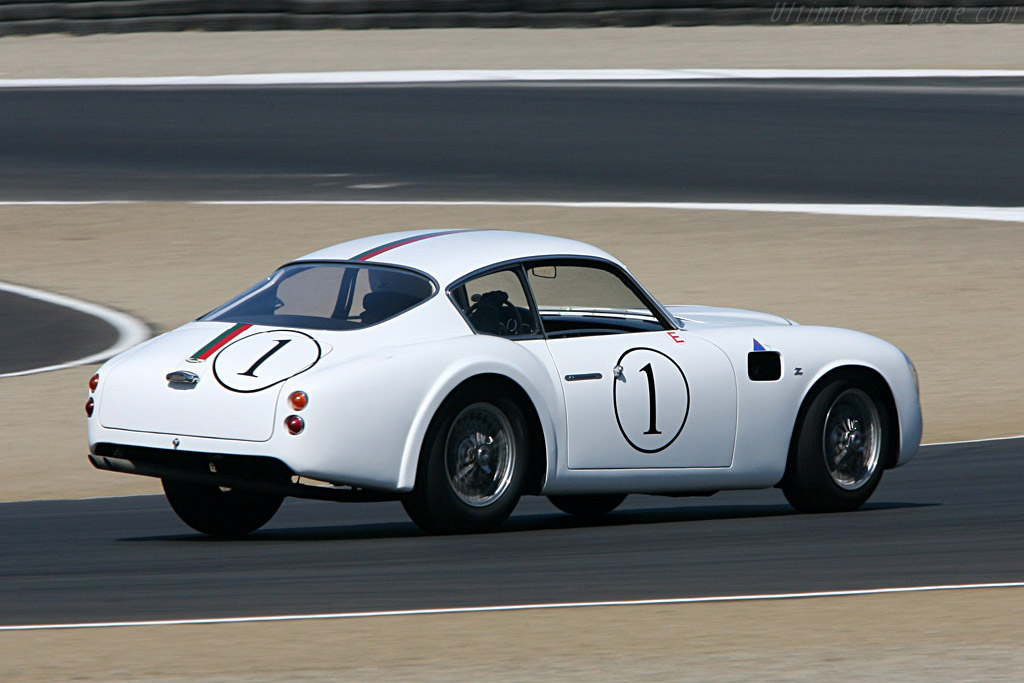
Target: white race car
{"type": "Point", "coordinates": [458, 370]}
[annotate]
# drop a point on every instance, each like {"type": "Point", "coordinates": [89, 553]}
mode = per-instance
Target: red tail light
{"type": "Point", "coordinates": [295, 424]}
{"type": "Point", "coordinates": [90, 406]}
{"type": "Point", "coordinates": [94, 382]}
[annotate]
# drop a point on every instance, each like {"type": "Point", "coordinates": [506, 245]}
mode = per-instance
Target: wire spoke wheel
{"type": "Point", "coordinates": [852, 439]}
{"type": "Point", "coordinates": [840, 447]}
{"type": "Point", "coordinates": [480, 454]}
{"type": "Point", "coordinates": [473, 462]}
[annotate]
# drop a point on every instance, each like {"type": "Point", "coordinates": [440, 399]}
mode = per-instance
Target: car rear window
{"type": "Point", "coordinates": [327, 296]}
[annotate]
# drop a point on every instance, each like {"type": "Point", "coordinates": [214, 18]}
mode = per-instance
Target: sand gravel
{"type": "Point", "coordinates": [956, 636]}
{"type": "Point", "coordinates": [197, 53]}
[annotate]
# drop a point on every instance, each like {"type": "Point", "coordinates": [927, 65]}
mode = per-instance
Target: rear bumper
{"type": "Point", "coordinates": [250, 472]}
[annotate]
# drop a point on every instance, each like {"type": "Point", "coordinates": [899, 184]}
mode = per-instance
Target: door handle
{"type": "Point", "coordinates": [584, 376]}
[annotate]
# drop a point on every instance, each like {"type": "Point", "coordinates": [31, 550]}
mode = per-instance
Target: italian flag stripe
{"type": "Point", "coordinates": [221, 339]}
{"type": "Point", "coordinates": [377, 251]}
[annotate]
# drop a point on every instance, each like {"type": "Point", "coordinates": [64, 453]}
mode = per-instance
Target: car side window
{"type": "Point", "coordinates": [497, 304]}
{"type": "Point", "coordinates": [577, 300]}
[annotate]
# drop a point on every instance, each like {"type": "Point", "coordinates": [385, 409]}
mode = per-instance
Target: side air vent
{"type": "Point", "coordinates": [764, 366]}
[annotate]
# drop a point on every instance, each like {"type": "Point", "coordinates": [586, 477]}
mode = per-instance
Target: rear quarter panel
{"type": "Point", "coordinates": [367, 418]}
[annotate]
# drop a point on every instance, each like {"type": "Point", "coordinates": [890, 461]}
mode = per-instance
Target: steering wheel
{"type": "Point", "coordinates": [514, 322]}
{"type": "Point", "coordinates": [494, 310]}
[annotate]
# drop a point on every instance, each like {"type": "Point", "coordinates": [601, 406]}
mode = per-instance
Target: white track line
{"type": "Point", "coordinates": [970, 441]}
{"type": "Point", "coordinates": [130, 331]}
{"type": "Point", "coordinates": [1013, 214]}
{"type": "Point", "coordinates": [498, 76]}
{"type": "Point", "coordinates": [982, 213]}
{"type": "Point", "coordinates": [91, 202]}
{"type": "Point", "coordinates": [515, 608]}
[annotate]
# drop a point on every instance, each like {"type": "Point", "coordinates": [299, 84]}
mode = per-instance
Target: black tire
{"type": "Point", "coordinates": [465, 483]}
{"type": "Point", "coordinates": [840, 447]}
{"type": "Point", "coordinates": [224, 513]}
{"type": "Point", "coordinates": [588, 506]}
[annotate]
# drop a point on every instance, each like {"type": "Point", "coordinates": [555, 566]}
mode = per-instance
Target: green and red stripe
{"type": "Point", "coordinates": [377, 251]}
{"type": "Point", "coordinates": [220, 341]}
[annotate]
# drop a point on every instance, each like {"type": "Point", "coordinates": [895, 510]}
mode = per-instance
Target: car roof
{"type": "Point", "coordinates": [447, 255]}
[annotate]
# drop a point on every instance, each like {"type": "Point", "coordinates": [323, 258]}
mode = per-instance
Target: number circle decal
{"type": "Point", "coordinates": [264, 359]}
{"type": "Point", "coordinates": [652, 399]}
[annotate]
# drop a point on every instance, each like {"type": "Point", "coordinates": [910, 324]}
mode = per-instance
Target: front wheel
{"type": "Point", "coordinates": [839, 448]}
{"type": "Point", "coordinates": [472, 467]}
{"type": "Point", "coordinates": [217, 511]}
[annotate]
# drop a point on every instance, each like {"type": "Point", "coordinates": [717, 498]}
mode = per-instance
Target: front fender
{"type": "Point", "coordinates": [893, 366]}
{"type": "Point", "coordinates": [767, 410]}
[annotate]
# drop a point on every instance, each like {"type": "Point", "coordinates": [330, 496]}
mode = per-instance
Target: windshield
{"type": "Point", "coordinates": [579, 299]}
{"type": "Point", "coordinates": [327, 296]}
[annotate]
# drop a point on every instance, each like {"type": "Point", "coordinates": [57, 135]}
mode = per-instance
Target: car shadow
{"type": "Point", "coordinates": [670, 515]}
{"type": "Point", "coordinates": [529, 522]}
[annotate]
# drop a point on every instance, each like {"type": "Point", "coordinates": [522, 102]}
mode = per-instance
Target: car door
{"type": "Point", "coordinates": [639, 392]}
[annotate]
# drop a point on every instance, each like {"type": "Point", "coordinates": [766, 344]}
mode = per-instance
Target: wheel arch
{"type": "Point", "coordinates": [539, 437]}
{"type": "Point", "coordinates": [881, 390]}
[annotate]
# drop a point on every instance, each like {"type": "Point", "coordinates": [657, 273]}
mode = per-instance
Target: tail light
{"type": "Point", "coordinates": [294, 424]}
{"type": "Point", "coordinates": [90, 405]}
{"type": "Point", "coordinates": [298, 400]}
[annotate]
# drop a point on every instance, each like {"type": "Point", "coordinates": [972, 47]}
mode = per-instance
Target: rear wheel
{"type": "Point", "coordinates": [472, 466]}
{"type": "Point", "coordinates": [217, 511]}
{"type": "Point", "coordinates": [840, 448]}
{"type": "Point", "coordinates": [588, 506]}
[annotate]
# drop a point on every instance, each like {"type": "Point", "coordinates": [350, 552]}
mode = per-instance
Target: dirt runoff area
{"type": "Point", "coordinates": [196, 53]}
{"type": "Point", "coordinates": [926, 637]}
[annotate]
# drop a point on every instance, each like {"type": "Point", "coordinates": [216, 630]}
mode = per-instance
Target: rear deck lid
{"type": "Point", "coordinates": [207, 379]}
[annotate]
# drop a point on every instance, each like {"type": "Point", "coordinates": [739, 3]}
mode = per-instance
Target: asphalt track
{"type": "Point", "coordinates": [902, 141]}
{"type": "Point", "coordinates": [952, 516]}
{"type": "Point", "coordinates": [38, 334]}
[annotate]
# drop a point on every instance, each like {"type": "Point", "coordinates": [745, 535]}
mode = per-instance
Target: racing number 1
{"type": "Point", "coordinates": [251, 372]}
{"type": "Point", "coordinates": [652, 428]}
{"type": "Point", "coordinates": [668, 399]}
